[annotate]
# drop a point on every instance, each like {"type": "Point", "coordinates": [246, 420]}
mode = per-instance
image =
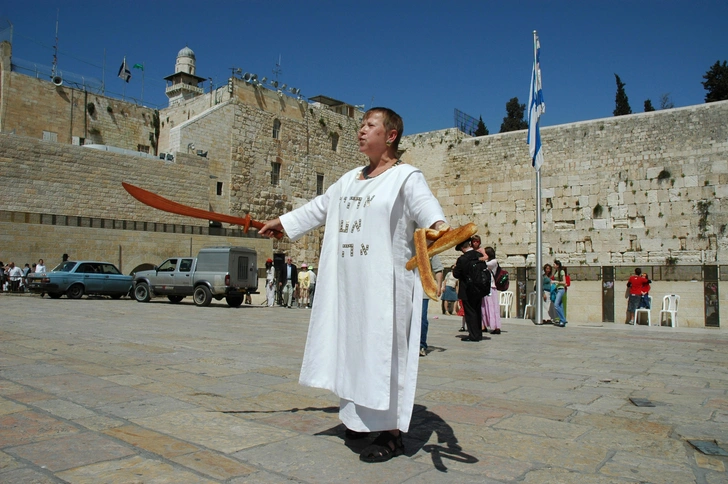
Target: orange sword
{"type": "Point", "coordinates": [161, 203]}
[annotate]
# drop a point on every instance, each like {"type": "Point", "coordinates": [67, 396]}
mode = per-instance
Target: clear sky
{"type": "Point", "coordinates": [421, 58]}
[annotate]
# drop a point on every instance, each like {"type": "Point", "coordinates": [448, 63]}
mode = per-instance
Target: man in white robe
{"type": "Point", "coordinates": [363, 339]}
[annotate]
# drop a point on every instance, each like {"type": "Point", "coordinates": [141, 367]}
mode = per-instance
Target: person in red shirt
{"type": "Point", "coordinates": [636, 291]}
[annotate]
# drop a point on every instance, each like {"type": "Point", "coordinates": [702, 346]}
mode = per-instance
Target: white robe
{"type": "Point", "coordinates": [363, 338]}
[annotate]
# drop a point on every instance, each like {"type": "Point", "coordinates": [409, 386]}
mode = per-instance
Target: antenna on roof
{"type": "Point", "coordinates": [278, 69]}
{"type": "Point", "coordinates": [55, 49]}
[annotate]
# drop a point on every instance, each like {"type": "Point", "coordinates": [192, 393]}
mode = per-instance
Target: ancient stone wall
{"type": "Point", "coordinates": [60, 197]}
{"type": "Point", "coordinates": [646, 188]}
{"type": "Point", "coordinates": [36, 108]}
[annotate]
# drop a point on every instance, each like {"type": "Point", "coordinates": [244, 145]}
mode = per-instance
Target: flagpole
{"type": "Point", "coordinates": [539, 242]}
{"type": "Point", "coordinates": [123, 94]}
{"type": "Point", "coordinates": [142, 82]}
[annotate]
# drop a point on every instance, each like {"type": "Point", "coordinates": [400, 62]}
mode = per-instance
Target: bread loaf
{"type": "Point", "coordinates": [423, 264]}
{"type": "Point", "coordinates": [447, 240]}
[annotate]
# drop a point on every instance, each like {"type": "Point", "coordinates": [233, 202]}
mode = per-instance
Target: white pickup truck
{"type": "Point", "coordinates": [216, 272]}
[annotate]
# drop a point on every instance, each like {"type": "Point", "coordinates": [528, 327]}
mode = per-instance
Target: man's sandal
{"type": "Point", "coordinates": [383, 448]}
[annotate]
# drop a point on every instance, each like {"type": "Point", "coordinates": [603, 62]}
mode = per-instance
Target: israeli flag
{"type": "Point", "coordinates": [536, 107]}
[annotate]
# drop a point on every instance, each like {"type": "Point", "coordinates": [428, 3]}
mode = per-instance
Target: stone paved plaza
{"type": "Point", "coordinates": [97, 390]}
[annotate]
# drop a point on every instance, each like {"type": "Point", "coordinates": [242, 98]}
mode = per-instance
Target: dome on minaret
{"type": "Point", "coordinates": [185, 61]}
{"type": "Point", "coordinates": [186, 52]}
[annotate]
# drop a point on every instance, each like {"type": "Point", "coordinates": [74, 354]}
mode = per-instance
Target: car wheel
{"type": "Point", "coordinates": [141, 292]}
{"type": "Point", "coordinates": [202, 296]}
{"type": "Point", "coordinates": [116, 296]}
{"type": "Point", "coordinates": [175, 299]}
{"type": "Point", "coordinates": [234, 300]}
{"type": "Point", "coordinates": [75, 291]}
{"type": "Point", "coordinates": [55, 295]}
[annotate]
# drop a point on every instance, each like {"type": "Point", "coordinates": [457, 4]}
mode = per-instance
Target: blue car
{"type": "Point", "coordinates": [74, 279]}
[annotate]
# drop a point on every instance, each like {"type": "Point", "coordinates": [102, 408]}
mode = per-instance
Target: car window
{"type": "Point", "coordinates": [65, 266]}
{"type": "Point", "coordinates": [185, 265]}
{"type": "Point", "coordinates": [85, 269]}
{"type": "Point", "coordinates": [168, 266]}
{"type": "Point", "coordinates": [109, 269]}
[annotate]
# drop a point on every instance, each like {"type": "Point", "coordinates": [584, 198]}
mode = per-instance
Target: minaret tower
{"type": "Point", "coordinates": [185, 84]}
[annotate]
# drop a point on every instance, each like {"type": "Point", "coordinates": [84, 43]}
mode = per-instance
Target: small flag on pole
{"type": "Point", "coordinates": [138, 66]}
{"type": "Point", "coordinates": [124, 71]}
{"type": "Point", "coordinates": [536, 107]}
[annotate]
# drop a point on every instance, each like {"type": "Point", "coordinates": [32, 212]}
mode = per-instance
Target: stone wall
{"type": "Point", "coordinates": [82, 187]}
{"type": "Point", "coordinates": [33, 106]}
{"type": "Point", "coordinates": [646, 188]}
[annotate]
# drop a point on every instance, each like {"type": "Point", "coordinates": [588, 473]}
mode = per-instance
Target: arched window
{"type": "Point", "coordinates": [276, 129]}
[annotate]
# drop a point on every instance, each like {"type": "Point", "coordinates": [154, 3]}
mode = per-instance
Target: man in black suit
{"type": "Point", "coordinates": [288, 280]}
{"type": "Point", "coordinates": [471, 302]}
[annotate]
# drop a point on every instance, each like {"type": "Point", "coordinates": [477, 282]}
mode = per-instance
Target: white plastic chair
{"type": "Point", "coordinates": [669, 309]}
{"type": "Point", "coordinates": [530, 306]}
{"type": "Point", "coordinates": [643, 311]}
{"type": "Point", "coordinates": [505, 300]}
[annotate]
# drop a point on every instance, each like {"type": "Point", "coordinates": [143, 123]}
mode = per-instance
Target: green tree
{"type": "Point", "coordinates": [648, 106]}
{"type": "Point", "coordinates": [482, 129]}
{"type": "Point", "coordinates": [514, 116]}
{"type": "Point", "coordinates": [621, 102]}
{"type": "Point", "coordinates": [716, 82]}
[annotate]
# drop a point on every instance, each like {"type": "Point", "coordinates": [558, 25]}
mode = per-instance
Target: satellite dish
{"type": "Point", "coordinates": [247, 77]}
{"type": "Point", "coordinates": [274, 83]}
{"type": "Point", "coordinates": [57, 80]}
{"type": "Point", "coordinates": [284, 86]}
{"type": "Point", "coordinates": [264, 80]}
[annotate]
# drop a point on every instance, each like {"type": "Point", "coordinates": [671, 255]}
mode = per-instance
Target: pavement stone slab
{"type": "Point", "coordinates": [8, 406]}
{"type": "Point", "coordinates": [475, 415]}
{"type": "Point", "coordinates": [68, 383]}
{"type": "Point", "coordinates": [264, 477]}
{"type": "Point", "coordinates": [64, 409]}
{"type": "Point", "coordinates": [8, 463]}
{"type": "Point", "coordinates": [25, 474]}
{"type": "Point", "coordinates": [99, 423]}
{"type": "Point", "coordinates": [608, 422]}
{"type": "Point", "coordinates": [214, 430]}
{"type": "Point", "coordinates": [39, 369]}
{"type": "Point", "coordinates": [67, 452]}
{"type": "Point", "coordinates": [128, 380]}
{"type": "Point", "coordinates": [542, 427]}
{"type": "Point", "coordinates": [133, 470]}
{"type": "Point", "coordinates": [154, 442]}
{"type": "Point", "coordinates": [214, 464]}
{"type": "Point", "coordinates": [648, 469]}
{"type": "Point", "coordinates": [30, 426]}
{"type": "Point", "coordinates": [709, 462]}
{"type": "Point", "coordinates": [146, 407]}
